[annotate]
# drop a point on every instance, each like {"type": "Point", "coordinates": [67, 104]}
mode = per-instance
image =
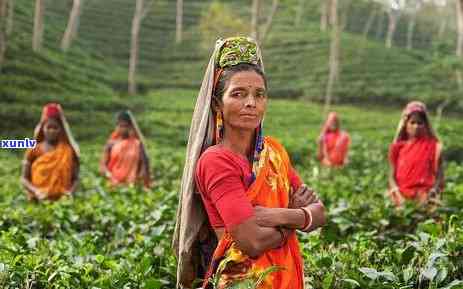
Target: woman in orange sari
{"type": "Point", "coordinates": [415, 158]}
{"type": "Point", "coordinates": [124, 158]}
{"type": "Point", "coordinates": [333, 143]}
{"type": "Point", "coordinates": [240, 184]}
{"type": "Point", "coordinates": [51, 169]}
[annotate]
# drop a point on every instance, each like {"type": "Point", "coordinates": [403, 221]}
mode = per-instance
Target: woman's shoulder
{"type": "Point", "coordinates": [216, 153]}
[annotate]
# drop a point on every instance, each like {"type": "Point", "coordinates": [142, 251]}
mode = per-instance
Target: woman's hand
{"type": "Point", "coordinates": [267, 217]}
{"type": "Point", "coordinates": [303, 197]}
{"type": "Point", "coordinates": [108, 174]}
{"type": "Point", "coordinates": [40, 195]}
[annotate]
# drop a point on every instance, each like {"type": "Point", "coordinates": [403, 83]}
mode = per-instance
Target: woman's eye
{"type": "Point", "coordinates": [238, 94]}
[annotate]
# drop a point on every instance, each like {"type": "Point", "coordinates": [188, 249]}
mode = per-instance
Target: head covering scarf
{"type": "Point", "coordinates": [204, 132]}
{"type": "Point", "coordinates": [414, 106]}
{"type": "Point", "coordinates": [127, 115]}
{"type": "Point", "coordinates": [54, 110]}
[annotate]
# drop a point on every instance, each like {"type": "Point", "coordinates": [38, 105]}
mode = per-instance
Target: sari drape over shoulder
{"type": "Point", "coordinates": [270, 189]}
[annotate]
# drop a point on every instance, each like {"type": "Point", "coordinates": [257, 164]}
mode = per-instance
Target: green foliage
{"type": "Point", "coordinates": [220, 20]}
{"type": "Point", "coordinates": [121, 238]}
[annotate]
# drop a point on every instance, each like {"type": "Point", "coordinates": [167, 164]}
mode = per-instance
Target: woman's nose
{"type": "Point", "coordinates": [250, 101]}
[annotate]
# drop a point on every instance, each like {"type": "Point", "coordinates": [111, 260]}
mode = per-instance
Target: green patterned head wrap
{"type": "Point", "coordinates": [236, 50]}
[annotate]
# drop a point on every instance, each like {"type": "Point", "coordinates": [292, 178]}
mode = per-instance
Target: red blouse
{"type": "Point", "coordinates": [222, 178]}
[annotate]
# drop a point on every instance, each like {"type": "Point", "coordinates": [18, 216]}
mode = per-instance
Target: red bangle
{"type": "Point", "coordinates": [307, 219]}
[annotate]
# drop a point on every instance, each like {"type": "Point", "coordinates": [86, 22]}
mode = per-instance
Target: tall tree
{"type": "Point", "coordinates": [324, 14]}
{"type": "Point", "coordinates": [459, 50]}
{"type": "Point", "coordinates": [268, 23]}
{"type": "Point", "coordinates": [299, 13]}
{"type": "Point", "coordinates": [344, 17]}
{"type": "Point", "coordinates": [3, 34]}
{"type": "Point", "coordinates": [71, 29]}
{"type": "Point", "coordinates": [37, 35]}
{"type": "Point", "coordinates": [255, 15]}
{"type": "Point", "coordinates": [179, 22]}
{"type": "Point", "coordinates": [141, 10]}
{"type": "Point", "coordinates": [334, 54]}
{"type": "Point", "coordinates": [370, 20]}
{"type": "Point", "coordinates": [392, 26]}
{"type": "Point", "coordinates": [413, 10]}
{"type": "Point", "coordinates": [10, 17]}
{"type": "Point", "coordinates": [379, 27]}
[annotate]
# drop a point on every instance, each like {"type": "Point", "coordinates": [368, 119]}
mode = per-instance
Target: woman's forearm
{"type": "Point", "coordinates": [28, 185]}
{"type": "Point", "coordinates": [297, 219]}
{"type": "Point", "coordinates": [392, 182]}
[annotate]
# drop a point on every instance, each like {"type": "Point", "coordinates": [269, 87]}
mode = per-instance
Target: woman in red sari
{"type": "Point", "coordinates": [415, 158]}
{"type": "Point", "coordinates": [240, 183]}
{"type": "Point", "coordinates": [124, 159]}
{"type": "Point", "coordinates": [333, 143]}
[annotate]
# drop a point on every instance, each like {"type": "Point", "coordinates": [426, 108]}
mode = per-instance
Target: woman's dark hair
{"type": "Point", "coordinates": [228, 73]}
{"type": "Point", "coordinates": [124, 116]}
{"type": "Point", "coordinates": [421, 115]}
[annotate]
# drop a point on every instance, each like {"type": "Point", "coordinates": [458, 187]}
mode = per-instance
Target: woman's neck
{"type": "Point", "coordinates": [239, 141]}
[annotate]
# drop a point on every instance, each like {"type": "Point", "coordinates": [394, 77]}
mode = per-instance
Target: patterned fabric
{"type": "Point", "coordinates": [191, 216]}
{"type": "Point", "coordinates": [271, 189]}
{"type": "Point", "coordinates": [52, 171]}
{"type": "Point", "coordinates": [238, 50]}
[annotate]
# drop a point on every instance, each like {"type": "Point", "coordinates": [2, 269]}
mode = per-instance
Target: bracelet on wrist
{"type": "Point", "coordinates": [307, 219]}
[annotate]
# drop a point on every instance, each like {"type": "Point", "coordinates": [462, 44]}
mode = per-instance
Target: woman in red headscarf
{"type": "Point", "coordinates": [333, 143]}
{"type": "Point", "coordinates": [415, 158]}
{"type": "Point", "coordinates": [51, 169]}
{"type": "Point", "coordinates": [124, 159]}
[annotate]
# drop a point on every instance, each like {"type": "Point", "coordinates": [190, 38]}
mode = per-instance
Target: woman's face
{"type": "Point", "coordinates": [52, 130]}
{"type": "Point", "coordinates": [416, 125]}
{"type": "Point", "coordinates": [124, 128]}
{"type": "Point", "coordinates": [334, 125]}
{"type": "Point", "coordinates": [244, 101]}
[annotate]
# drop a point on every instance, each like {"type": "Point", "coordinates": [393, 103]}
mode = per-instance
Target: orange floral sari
{"type": "Point", "coordinates": [270, 189]}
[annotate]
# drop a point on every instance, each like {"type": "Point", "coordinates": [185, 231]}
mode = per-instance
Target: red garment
{"type": "Point", "coordinates": [222, 178]}
{"type": "Point", "coordinates": [334, 145]}
{"type": "Point", "coordinates": [416, 165]}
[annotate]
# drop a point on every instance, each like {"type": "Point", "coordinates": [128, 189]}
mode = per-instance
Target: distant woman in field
{"type": "Point", "coordinates": [51, 169]}
{"type": "Point", "coordinates": [415, 158]}
{"type": "Point", "coordinates": [333, 143]}
{"type": "Point", "coordinates": [240, 183]}
{"type": "Point", "coordinates": [125, 160]}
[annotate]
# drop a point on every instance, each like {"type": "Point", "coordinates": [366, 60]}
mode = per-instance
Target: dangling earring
{"type": "Point", "coordinates": [219, 127]}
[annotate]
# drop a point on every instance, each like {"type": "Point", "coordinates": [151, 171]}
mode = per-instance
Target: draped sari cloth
{"type": "Point", "coordinates": [269, 164]}
{"type": "Point", "coordinates": [416, 161]}
{"type": "Point", "coordinates": [270, 189]}
{"type": "Point", "coordinates": [128, 161]}
{"type": "Point", "coordinates": [334, 145]}
{"type": "Point", "coordinates": [52, 171]}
